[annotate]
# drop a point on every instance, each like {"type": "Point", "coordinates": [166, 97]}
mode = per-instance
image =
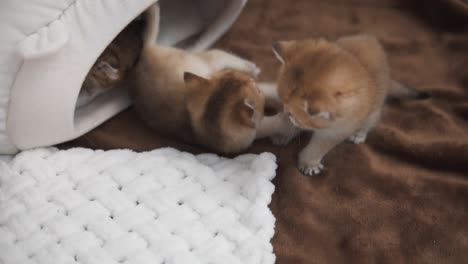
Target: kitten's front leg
{"type": "Point", "coordinates": [310, 158]}
{"type": "Point", "coordinates": [278, 128]}
{"type": "Point", "coordinates": [268, 125]}
{"type": "Point", "coordinates": [220, 60]}
{"type": "Point", "coordinates": [285, 133]}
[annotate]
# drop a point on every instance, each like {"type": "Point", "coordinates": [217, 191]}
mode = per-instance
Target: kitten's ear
{"type": "Point", "coordinates": [190, 78]}
{"type": "Point", "coordinates": [111, 72]}
{"type": "Point", "coordinates": [281, 49]}
{"type": "Point", "coordinates": [249, 106]}
{"type": "Point", "coordinates": [249, 103]}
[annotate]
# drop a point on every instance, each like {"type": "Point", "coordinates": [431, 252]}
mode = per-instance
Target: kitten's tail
{"type": "Point", "coordinates": [151, 30]}
{"type": "Point", "coordinates": [399, 90]}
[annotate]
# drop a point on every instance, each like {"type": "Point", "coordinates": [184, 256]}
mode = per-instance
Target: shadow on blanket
{"type": "Point", "coordinates": [400, 198]}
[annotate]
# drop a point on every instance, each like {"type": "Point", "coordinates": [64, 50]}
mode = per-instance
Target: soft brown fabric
{"type": "Point", "coordinates": [461, 5]}
{"type": "Point", "coordinates": [402, 197]}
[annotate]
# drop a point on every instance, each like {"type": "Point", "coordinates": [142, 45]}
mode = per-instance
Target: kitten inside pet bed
{"type": "Point", "coordinates": [113, 65]}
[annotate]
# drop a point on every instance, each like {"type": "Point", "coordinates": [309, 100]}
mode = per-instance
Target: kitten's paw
{"type": "Point", "coordinates": [252, 68]}
{"type": "Point", "coordinates": [310, 169]}
{"type": "Point", "coordinates": [358, 138]}
{"type": "Point", "coordinates": [309, 165]}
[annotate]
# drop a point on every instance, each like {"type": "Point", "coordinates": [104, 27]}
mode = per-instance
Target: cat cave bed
{"type": "Point", "coordinates": [48, 47]}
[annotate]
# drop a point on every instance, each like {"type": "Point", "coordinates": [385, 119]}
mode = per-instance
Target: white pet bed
{"type": "Point", "coordinates": [158, 207]}
{"type": "Point", "coordinates": [48, 46]}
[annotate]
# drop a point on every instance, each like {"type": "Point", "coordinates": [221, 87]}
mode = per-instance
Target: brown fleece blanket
{"type": "Point", "coordinates": [402, 197]}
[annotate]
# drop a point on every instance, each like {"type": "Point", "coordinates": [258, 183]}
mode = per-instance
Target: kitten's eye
{"type": "Point", "coordinates": [312, 112]}
{"type": "Point", "coordinates": [321, 114]}
{"type": "Point", "coordinates": [326, 115]}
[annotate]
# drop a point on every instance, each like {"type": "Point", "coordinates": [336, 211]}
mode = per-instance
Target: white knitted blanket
{"type": "Point", "coordinates": [118, 206]}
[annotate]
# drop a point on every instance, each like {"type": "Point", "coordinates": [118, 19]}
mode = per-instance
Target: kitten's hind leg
{"type": "Point", "coordinates": [220, 60]}
{"type": "Point", "coordinates": [361, 134]}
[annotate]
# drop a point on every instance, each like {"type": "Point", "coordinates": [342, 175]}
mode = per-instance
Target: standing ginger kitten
{"type": "Point", "coordinates": [335, 89]}
{"type": "Point", "coordinates": [209, 98]}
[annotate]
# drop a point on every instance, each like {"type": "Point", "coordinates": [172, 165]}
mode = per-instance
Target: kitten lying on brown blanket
{"type": "Point", "coordinates": [208, 98]}
{"type": "Point", "coordinates": [222, 112]}
{"type": "Point", "coordinates": [335, 89]}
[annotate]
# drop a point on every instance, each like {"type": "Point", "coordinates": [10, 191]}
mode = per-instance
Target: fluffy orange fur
{"type": "Point", "coordinates": [208, 98]}
{"type": "Point", "coordinates": [336, 89]}
{"type": "Point", "coordinates": [225, 110]}
{"type": "Point", "coordinates": [221, 112]}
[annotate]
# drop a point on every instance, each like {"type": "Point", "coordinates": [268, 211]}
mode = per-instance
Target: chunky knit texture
{"type": "Point", "coordinates": [118, 206]}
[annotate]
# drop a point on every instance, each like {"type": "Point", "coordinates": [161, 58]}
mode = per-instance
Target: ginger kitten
{"type": "Point", "coordinates": [179, 95]}
{"type": "Point", "coordinates": [336, 89]}
{"type": "Point", "coordinates": [209, 98]}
